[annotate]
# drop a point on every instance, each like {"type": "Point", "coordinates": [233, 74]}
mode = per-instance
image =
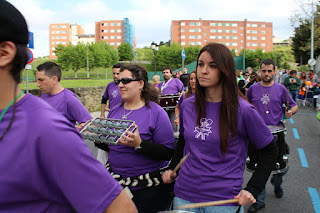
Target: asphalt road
{"type": "Point", "coordinates": [302, 182]}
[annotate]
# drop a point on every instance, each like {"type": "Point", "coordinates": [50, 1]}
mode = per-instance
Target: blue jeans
{"type": "Point", "coordinates": [294, 95]}
{"type": "Point", "coordinates": [210, 209]}
{"type": "Point", "coordinates": [276, 181]}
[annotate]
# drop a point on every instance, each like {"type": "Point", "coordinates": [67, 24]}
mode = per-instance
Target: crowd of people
{"type": "Point", "coordinates": [214, 108]}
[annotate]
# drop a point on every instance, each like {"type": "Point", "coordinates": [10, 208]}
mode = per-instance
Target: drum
{"type": "Point", "coordinates": [282, 159]}
{"type": "Point", "coordinates": [169, 102]}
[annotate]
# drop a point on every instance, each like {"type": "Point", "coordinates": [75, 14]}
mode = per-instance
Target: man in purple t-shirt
{"type": "Point", "coordinates": [168, 87]}
{"type": "Point", "coordinates": [112, 92]}
{"type": "Point", "coordinates": [63, 100]}
{"type": "Point", "coordinates": [44, 164]}
{"type": "Point", "coordinates": [268, 97]}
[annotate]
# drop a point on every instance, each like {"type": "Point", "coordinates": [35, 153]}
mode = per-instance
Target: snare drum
{"type": "Point", "coordinates": [169, 102]}
{"type": "Point", "coordinates": [282, 160]}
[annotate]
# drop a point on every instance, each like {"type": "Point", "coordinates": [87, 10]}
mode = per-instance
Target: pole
{"type": "Point", "coordinates": [312, 28]}
{"type": "Point", "coordinates": [155, 62]}
{"type": "Point", "coordinates": [88, 76]}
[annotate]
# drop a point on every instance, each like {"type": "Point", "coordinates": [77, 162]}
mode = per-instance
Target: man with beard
{"type": "Point", "coordinates": [170, 86]}
{"type": "Point", "coordinates": [268, 97]}
{"type": "Point", "coordinates": [112, 92]}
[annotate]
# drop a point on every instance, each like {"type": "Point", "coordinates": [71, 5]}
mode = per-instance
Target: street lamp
{"type": "Point", "coordinates": [155, 48]}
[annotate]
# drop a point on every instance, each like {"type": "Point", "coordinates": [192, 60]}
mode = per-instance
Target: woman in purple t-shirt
{"type": "Point", "coordinates": [137, 160]}
{"type": "Point", "coordinates": [190, 93]}
{"type": "Point", "coordinates": [215, 127]}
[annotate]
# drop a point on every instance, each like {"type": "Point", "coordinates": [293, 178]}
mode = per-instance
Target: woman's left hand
{"type": "Point", "coordinates": [131, 139]}
{"type": "Point", "coordinates": [245, 198]}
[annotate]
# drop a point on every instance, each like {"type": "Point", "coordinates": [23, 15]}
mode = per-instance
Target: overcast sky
{"type": "Point", "coordinates": [151, 18]}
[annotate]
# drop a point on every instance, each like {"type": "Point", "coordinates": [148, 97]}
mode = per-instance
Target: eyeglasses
{"type": "Point", "coordinates": [247, 75]}
{"type": "Point", "coordinates": [126, 80]}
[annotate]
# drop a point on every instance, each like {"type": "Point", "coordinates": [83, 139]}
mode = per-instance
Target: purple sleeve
{"type": "Point", "coordinates": [106, 95]}
{"type": "Point", "coordinates": [159, 85]}
{"type": "Point", "coordinates": [77, 110]}
{"type": "Point", "coordinates": [259, 134]}
{"type": "Point", "coordinates": [249, 93]}
{"type": "Point", "coordinates": [69, 167]}
{"type": "Point", "coordinates": [163, 132]}
{"type": "Point", "coordinates": [181, 99]}
{"type": "Point", "coordinates": [179, 85]}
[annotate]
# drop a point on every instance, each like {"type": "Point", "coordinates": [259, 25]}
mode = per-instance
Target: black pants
{"type": "Point", "coordinates": [153, 199]}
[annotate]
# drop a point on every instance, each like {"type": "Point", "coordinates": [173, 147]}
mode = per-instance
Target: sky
{"type": "Point", "coordinates": [151, 18]}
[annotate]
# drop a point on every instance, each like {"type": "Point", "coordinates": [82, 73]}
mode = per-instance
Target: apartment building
{"type": "Point", "coordinates": [63, 33]}
{"type": "Point", "coordinates": [115, 32]}
{"type": "Point", "coordinates": [237, 35]}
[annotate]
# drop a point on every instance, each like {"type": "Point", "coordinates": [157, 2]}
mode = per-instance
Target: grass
{"type": "Point", "coordinates": [72, 83]}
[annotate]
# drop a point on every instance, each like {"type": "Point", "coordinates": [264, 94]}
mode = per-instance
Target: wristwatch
{"type": "Point", "coordinates": [138, 148]}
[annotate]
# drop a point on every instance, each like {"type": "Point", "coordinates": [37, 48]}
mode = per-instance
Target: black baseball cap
{"type": "Point", "coordinates": [13, 26]}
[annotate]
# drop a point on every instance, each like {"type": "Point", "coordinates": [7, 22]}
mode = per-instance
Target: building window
{"type": "Point", "coordinates": [263, 44]}
{"type": "Point", "coordinates": [213, 31]}
{"type": "Point", "coordinates": [64, 37]}
{"type": "Point", "coordinates": [219, 37]}
{"type": "Point", "coordinates": [104, 37]}
{"type": "Point", "coordinates": [234, 31]}
{"type": "Point", "coordinates": [104, 24]}
{"type": "Point", "coordinates": [234, 25]}
{"type": "Point", "coordinates": [252, 31]}
{"type": "Point", "coordinates": [212, 24]}
{"type": "Point", "coordinates": [112, 24]}
{"type": "Point", "coordinates": [119, 31]}
{"type": "Point", "coordinates": [252, 25]}
{"type": "Point", "coordinates": [112, 37]}
{"type": "Point", "coordinates": [183, 43]}
{"type": "Point", "coordinates": [183, 23]}
{"type": "Point", "coordinates": [53, 37]}
{"type": "Point", "coordinates": [227, 37]}
{"type": "Point", "coordinates": [234, 37]}
{"type": "Point", "coordinates": [118, 24]}
{"type": "Point", "coordinates": [227, 44]}
{"type": "Point", "coordinates": [64, 42]}
{"type": "Point", "coordinates": [252, 44]}
{"type": "Point", "coordinates": [183, 30]}
{"type": "Point", "coordinates": [183, 37]}
{"type": "Point", "coordinates": [111, 31]}
{"type": "Point", "coordinates": [263, 38]}
{"type": "Point", "coordinates": [112, 44]}
{"type": "Point", "coordinates": [195, 24]}
{"type": "Point", "coordinates": [54, 42]}
{"type": "Point", "coordinates": [219, 24]}
{"type": "Point", "coordinates": [263, 32]}
{"type": "Point", "coordinates": [252, 38]}
{"type": "Point", "coordinates": [219, 31]}
{"type": "Point", "coordinates": [263, 25]}
{"type": "Point", "coordinates": [104, 31]}
{"type": "Point", "coordinates": [213, 37]}
{"type": "Point", "coordinates": [195, 37]}
{"type": "Point", "coordinates": [234, 44]}
{"type": "Point", "coordinates": [118, 37]}
{"type": "Point", "coordinates": [194, 30]}
{"type": "Point", "coordinates": [119, 43]}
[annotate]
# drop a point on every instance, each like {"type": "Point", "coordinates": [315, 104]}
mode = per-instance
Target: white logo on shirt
{"type": "Point", "coordinates": [265, 98]}
{"type": "Point", "coordinates": [205, 128]}
{"type": "Point", "coordinates": [114, 93]}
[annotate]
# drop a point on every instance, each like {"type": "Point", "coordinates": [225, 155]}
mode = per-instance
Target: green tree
{"type": "Point", "coordinates": [191, 53]}
{"type": "Point", "coordinates": [126, 52]}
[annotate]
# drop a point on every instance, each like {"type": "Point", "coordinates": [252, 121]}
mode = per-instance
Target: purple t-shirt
{"type": "Point", "coordinates": [45, 165]}
{"type": "Point", "coordinates": [207, 175]}
{"type": "Point", "coordinates": [183, 97]}
{"type": "Point", "coordinates": [172, 86]}
{"type": "Point", "coordinates": [154, 125]}
{"type": "Point", "coordinates": [67, 103]}
{"type": "Point", "coordinates": [269, 99]}
{"type": "Point", "coordinates": [112, 94]}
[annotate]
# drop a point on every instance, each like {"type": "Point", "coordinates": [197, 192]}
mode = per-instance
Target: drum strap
{"type": "Point", "coordinates": [147, 180]}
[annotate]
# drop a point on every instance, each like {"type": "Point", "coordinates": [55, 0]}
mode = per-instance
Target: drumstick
{"type": "Point", "coordinates": [180, 163]}
{"type": "Point", "coordinates": [205, 204]}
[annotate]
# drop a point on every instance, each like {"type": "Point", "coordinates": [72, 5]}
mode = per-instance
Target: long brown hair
{"type": "Point", "coordinates": [188, 93]}
{"type": "Point", "coordinates": [228, 120]}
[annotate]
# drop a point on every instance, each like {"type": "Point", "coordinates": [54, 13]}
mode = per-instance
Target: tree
{"type": "Point", "coordinates": [125, 52]}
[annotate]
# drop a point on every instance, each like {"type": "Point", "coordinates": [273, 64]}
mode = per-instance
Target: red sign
{"type": "Point", "coordinates": [30, 58]}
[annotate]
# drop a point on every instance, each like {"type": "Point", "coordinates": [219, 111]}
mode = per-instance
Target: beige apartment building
{"type": "Point", "coordinates": [63, 33]}
{"type": "Point", "coordinates": [237, 35]}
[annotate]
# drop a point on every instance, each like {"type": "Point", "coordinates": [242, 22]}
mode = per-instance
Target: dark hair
{"type": "Point", "coordinates": [188, 93]}
{"type": "Point", "coordinates": [228, 120]}
{"type": "Point", "coordinates": [167, 68]}
{"type": "Point", "coordinates": [293, 72]}
{"type": "Point", "coordinates": [148, 92]}
{"type": "Point", "coordinates": [303, 85]}
{"type": "Point", "coordinates": [268, 62]}
{"type": "Point", "coordinates": [118, 65]}
{"type": "Point", "coordinates": [19, 62]}
{"type": "Point", "coordinates": [50, 69]}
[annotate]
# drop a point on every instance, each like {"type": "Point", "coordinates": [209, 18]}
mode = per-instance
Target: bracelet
{"type": "Point", "coordinates": [177, 116]}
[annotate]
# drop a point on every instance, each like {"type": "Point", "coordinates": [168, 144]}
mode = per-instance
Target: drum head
{"type": "Point", "coordinates": [275, 129]}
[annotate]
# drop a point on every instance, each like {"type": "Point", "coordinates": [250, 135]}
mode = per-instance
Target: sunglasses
{"type": "Point", "coordinates": [247, 75]}
{"type": "Point", "coordinates": [126, 80]}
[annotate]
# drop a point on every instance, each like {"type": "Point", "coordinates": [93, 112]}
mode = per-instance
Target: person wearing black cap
{"type": "Point", "coordinates": [44, 164]}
